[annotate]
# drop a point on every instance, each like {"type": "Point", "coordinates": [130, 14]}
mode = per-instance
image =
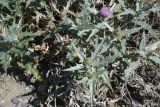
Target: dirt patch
{"type": "Point", "coordinates": [11, 90]}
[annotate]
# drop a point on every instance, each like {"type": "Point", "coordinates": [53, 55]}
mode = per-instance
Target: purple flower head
{"type": "Point", "coordinates": [105, 11]}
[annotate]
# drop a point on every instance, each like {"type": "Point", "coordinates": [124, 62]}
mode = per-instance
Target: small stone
{"type": "Point", "coordinates": [15, 100]}
{"type": "Point", "coordinates": [20, 104]}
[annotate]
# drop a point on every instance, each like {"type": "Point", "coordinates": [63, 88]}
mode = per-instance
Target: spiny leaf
{"type": "Point", "coordinates": [155, 8]}
{"type": "Point", "coordinates": [152, 47]}
{"type": "Point", "coordinates": [92, 87]}
{"type": "Point", "coordinates": [5, 60]}
{"type": "Point", "coordinates": [146, 26]}
{"type": "Point", "coordinates": [59, 29]}
{"type": "Point", "coordinates": [106, 46]}
{"type": "Point", "coordinates": [29, 2]}
{"type": "Point", "coordinates": [126, 12]}
{"type": "Point", "coordinates": [123, 45]}
{"type": "Point", "coordinates": [143, 42]}
{"type": "Point", "coordinates": [111, 29]}
{"type": "Point", "coordinates": [117, 53]}
{"type": "Point", "coordinates": [100, 26]}
{"type": "Point", "coordinates": [13, 32]}
{"type": "Point", "coordinates": [155, 59]}
{"type": "Point", "coordinates": [109, 59]}
{"type": "Point", "coordinates": [131, 69]}
{"type": "Point", "coordinates": [97, 50]}
{"type": "Point", "coordinates": [77, 67]}
{"type": "Point", "coordinates": [122, 3]}
{"type": "Point", "coordinates": [93, 32]}
{"type": "Point", "coordinates": [32, 69]}
{"type": "Point", "coordinates": [128, 32]}
{"type": "Point", "coordinates": [69, 3]}
{"type": "Point", "coordinates": [105, 61]}
{"type": "Point", "coordinates": [80, 54]}
{"type": "Point", "coordinates": [6, 4]}
{"type": "Point", "coordinates": [106, 80]}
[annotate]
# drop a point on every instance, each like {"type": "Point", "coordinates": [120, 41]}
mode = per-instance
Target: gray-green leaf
{"type": "Point", "coordinates": [155, 59]}
{"type": "Point", "coordinates": [77, 67]}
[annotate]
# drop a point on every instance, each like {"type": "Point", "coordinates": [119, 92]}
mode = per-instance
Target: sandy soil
{"type": "Point", "coordinates": [10, 89]}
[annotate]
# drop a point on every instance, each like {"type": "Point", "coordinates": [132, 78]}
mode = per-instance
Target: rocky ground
{"type": "Point", "coordinates": [12, 93]}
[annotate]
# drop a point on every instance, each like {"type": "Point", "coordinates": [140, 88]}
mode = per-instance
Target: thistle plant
{"type": "Point", "coordinates": [105, 44]}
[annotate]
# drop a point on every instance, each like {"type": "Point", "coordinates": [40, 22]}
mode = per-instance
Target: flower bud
{"type": "Point", "coordinates": [105, 11]}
